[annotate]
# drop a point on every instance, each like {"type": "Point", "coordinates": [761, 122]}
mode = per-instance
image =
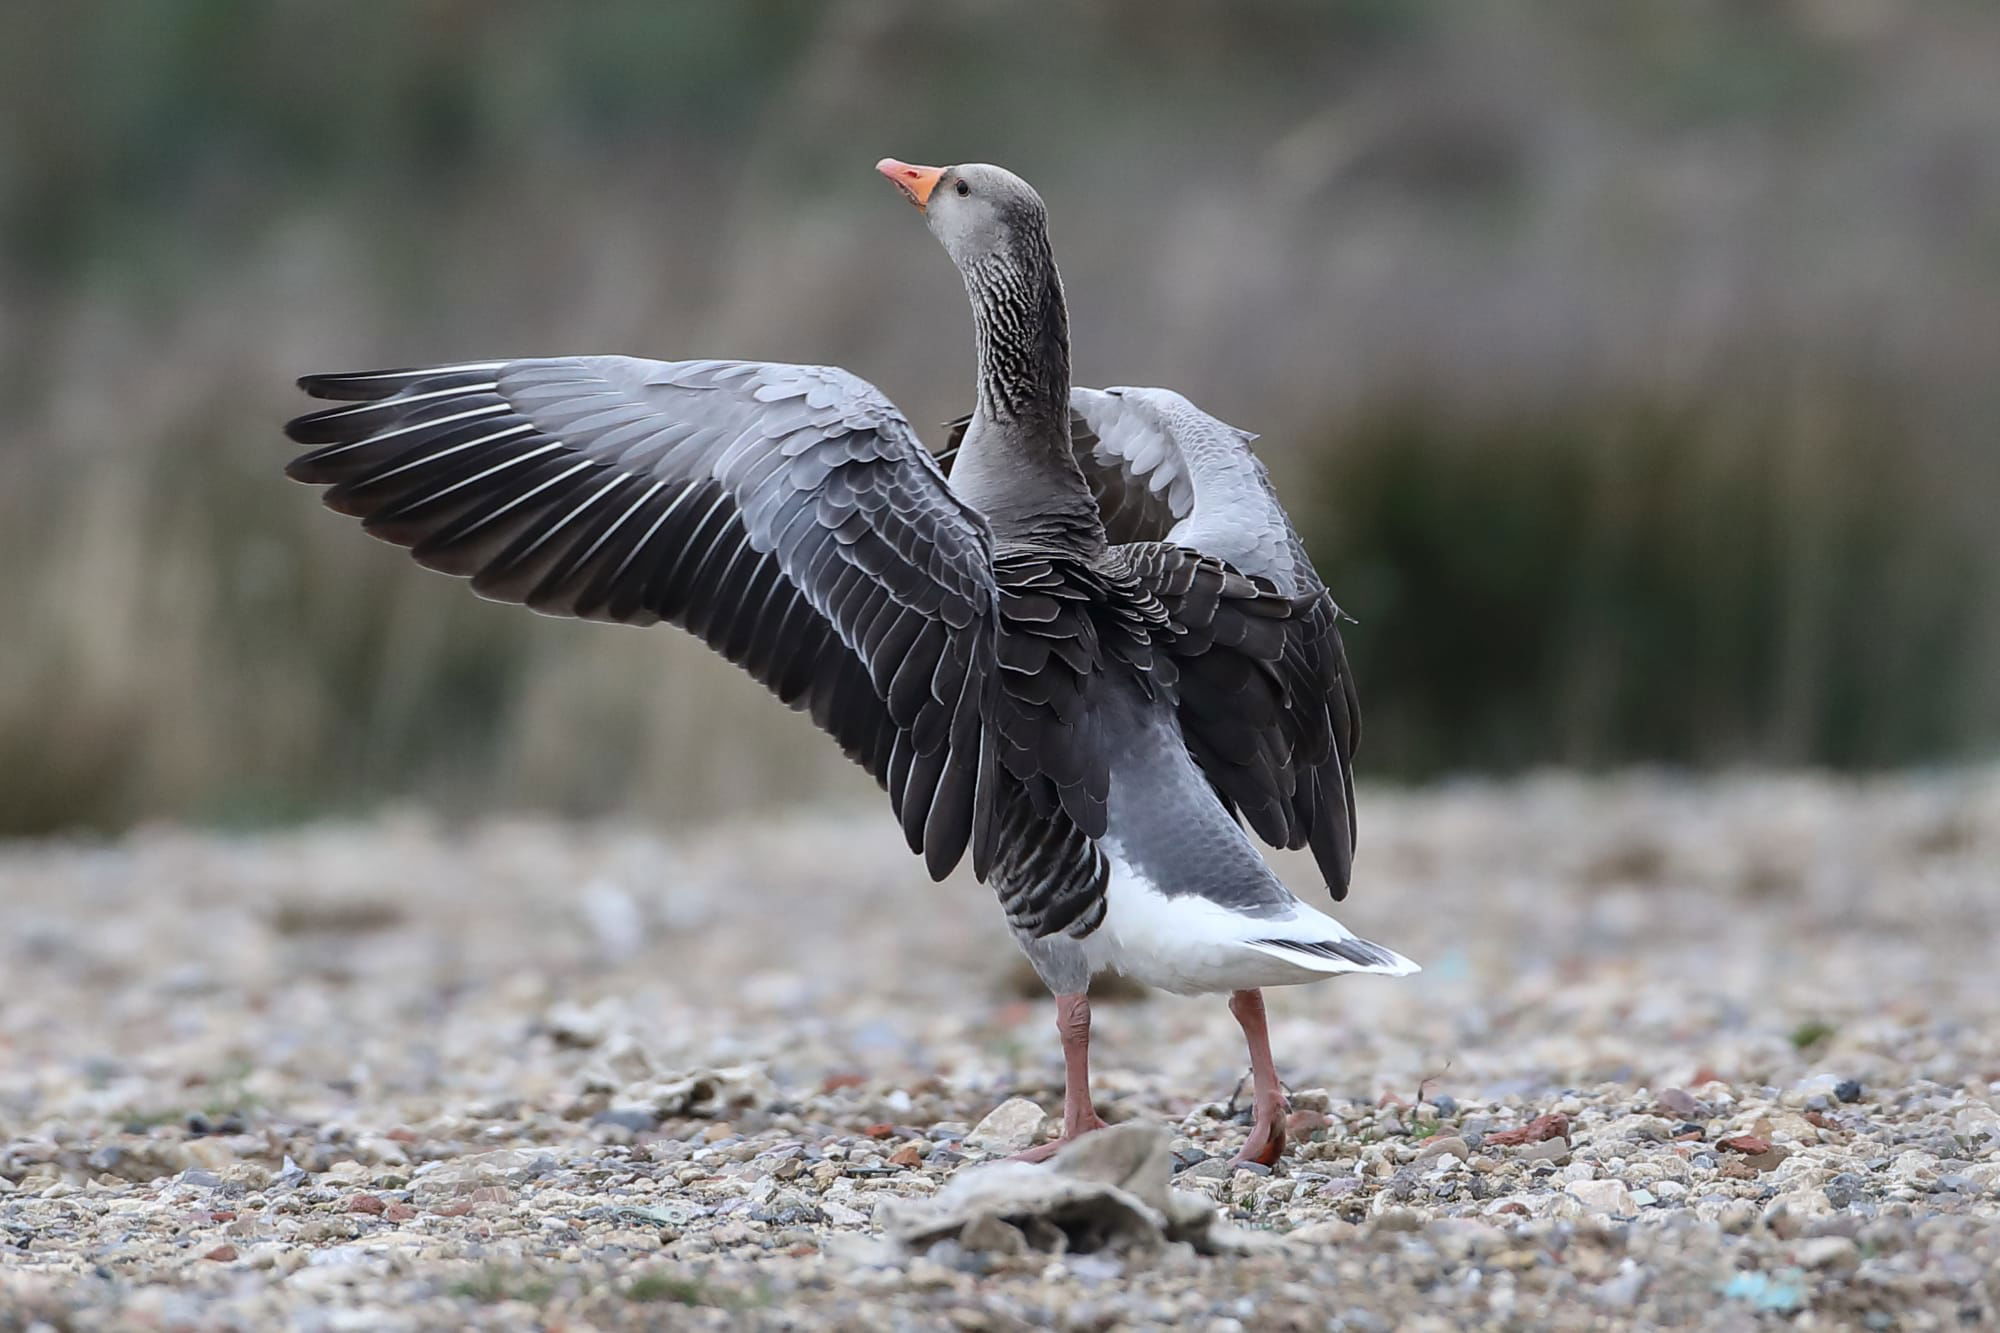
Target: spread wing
{"type": "Point", "coordinates": [787, 515]}
{"type": "Point", "coordinates": [1267, 700]}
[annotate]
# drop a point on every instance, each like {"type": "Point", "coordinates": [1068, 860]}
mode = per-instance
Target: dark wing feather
{"type": "Point", "coordinates": [1267, 700]}
{"type": "Point", "coordinates": [785, 514]}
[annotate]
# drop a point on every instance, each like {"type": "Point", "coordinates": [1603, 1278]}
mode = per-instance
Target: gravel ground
{"type": "Point", "coordinates": [1711, 1054]}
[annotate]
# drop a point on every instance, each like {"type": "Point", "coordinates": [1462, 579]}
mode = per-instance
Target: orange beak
{"type": "Point", "coordinates": [916, 183]}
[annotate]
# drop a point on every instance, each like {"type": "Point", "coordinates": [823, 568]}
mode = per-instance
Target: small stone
{"type": "Point", "coordinates": [399, 1212]}
{"type": "Point", "coordinates": [1607, 1197]}
{"type": "Point", "coordinates": [1827, 1252]}
{"type": "Point", "coordinates": [638, 1119]}
{"type": "Point", "coordinates": [1300, 1124]}
{"type": "Point", "coordinates": [1449, 1145]}
{"type": "Point", "coordinates": [1756, 1153]}
{"type": "Point", "coordinates": [222, 1254]}
{"type": "Point", "coordinates": [1330, 1232]}
{"type": "Point", "coordinates": [989, 1234]}
{"type": "Point", "coordinates": [1847, 1090]}
{"type": "Point", "coordinates": [908, 1155]}
{"type": "Point", "coordinates": [1913, 1167]}
{"type": "Point", "coordinates": [1539, 1130]}
{"type": "Point", "coordinates": [1977, 1123]}
{"type": "Point", "coordinates": [1445, 1104]}
{"type": "Point", "coordinates": [1399, 1219]}
{"type": "Point", "coordinates": [1845, 1190]}
{"type": "Point", "coordinates": [1013, 1126]}
{"type": "Point", "coordinates": [366, 1203]}
{"type": "Point", "coordinates": [1678, 1104]}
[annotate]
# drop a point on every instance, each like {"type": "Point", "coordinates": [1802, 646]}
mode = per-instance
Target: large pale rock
{"type": "Point", "coordinates": [1015, 1125]}
{"type": "Point", "coordinates": [503, 1168]}
{"type": "Point", "coordinates": [1109, 1190]}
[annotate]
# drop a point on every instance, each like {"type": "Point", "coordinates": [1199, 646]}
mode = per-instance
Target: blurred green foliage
{"type": "Point", "coordinates": [1631, 367]}
{"type": "Point", "coordinates": [1599, 581]}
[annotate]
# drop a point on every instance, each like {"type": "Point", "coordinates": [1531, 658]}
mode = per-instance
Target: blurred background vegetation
{"type": "Point", "coordinates": [1634, 367]}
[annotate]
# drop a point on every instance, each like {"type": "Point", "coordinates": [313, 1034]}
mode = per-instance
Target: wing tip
{"type": "Point", "coordinates": [1337, 956]}
{"type": "Point", "coordinates": [349, 386]}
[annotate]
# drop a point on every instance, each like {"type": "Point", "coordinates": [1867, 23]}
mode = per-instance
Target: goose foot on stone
{"type": "Point", "coordinates": [1267, 1130]}
{"type": "Point", "coordinates": [1079, 1116]}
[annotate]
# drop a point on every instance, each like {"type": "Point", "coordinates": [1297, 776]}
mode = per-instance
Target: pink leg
{"type": "Point", "coordinates": [1267, 1130]}
{"type": "Point", "coordinates": [1079, 1116]}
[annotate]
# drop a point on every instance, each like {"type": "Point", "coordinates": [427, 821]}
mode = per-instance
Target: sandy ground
{"type": "Point", "coordinates": [521, 1074]}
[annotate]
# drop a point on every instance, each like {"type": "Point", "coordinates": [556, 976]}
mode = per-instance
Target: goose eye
{"type": "Point", "coordinates": [963, 189]}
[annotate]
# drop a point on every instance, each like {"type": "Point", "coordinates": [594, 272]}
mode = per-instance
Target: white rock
{"type": "Point", "coordinates": [1608, 1198]}
{"type": "Point", "coordinates": [1015, 1125]}
{"type": "Point", "coordinates": [1333, 1231]}
{"type": "Point", "coordinates": [1826, 1252]}
{"type": "Point", "coordinates": [1977, 1122]}
{"type": "Point", "coordinates": [508, 1167]}
{"type": "Point", "coordinates": [1912, 1165]}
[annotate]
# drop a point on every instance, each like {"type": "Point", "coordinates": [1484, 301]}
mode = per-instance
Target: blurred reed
{"type": "Point", "coordinates": [1631, 367]}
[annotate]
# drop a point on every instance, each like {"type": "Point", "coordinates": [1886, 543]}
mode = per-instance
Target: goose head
{"type": "Point", "coordinates": [1020, 472]}
{"type": "Point", "coordinates": [981, 214]}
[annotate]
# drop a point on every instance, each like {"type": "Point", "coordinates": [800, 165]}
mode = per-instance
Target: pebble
{"type": "Point", "coordinates": [1826, 1252]}
{"type": "Point", "coordinates": [1548, 1150]}
{"type": "Point", "coordinates": [1605, 1197]}
{"type": "Point", "coordinates": [1444, 1146]}
{"type": "Point", "coordinates": [1013, 1126]}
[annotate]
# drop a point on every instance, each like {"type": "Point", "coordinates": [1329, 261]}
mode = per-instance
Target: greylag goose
{"type": "Point", "coordinates": [1088, 657]}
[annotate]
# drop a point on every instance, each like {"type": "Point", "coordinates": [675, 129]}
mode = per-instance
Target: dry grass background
{"type": "Point", "coordinates": [1633, 366]}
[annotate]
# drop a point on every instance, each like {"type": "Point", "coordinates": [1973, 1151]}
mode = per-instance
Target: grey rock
{"type": "Point", "coordinates": [1845, 1190]}
{"type": "Point", "coordinates": [638, 1119]}
{"type": "Point", "coordinates": [1106, 1191]}
{"type": "Point", "coordinates": [1556, 1151]}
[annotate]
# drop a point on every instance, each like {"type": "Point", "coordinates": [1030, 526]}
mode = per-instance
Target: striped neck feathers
{"type": "Point", "coordinates": [1021, 471]}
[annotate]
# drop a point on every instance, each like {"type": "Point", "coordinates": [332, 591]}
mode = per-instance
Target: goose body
{"type": "Point", "coordinates": [1088, 658]}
